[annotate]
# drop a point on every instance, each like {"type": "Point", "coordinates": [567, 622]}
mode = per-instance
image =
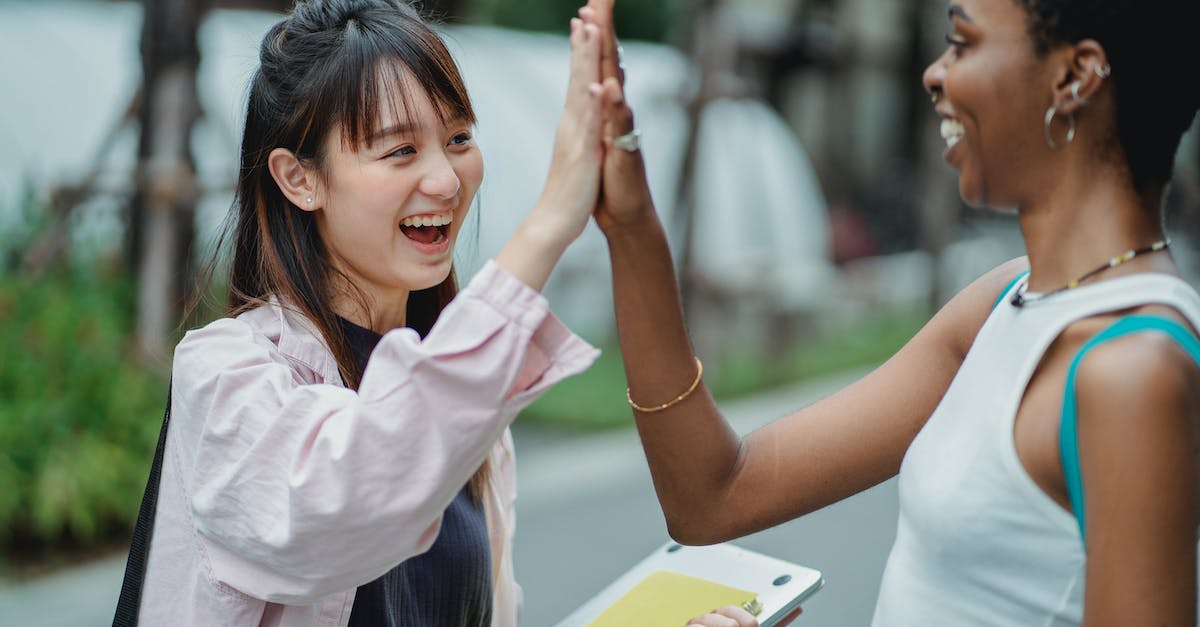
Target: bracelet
{"type": "Point", "coordinates": [674, 401]}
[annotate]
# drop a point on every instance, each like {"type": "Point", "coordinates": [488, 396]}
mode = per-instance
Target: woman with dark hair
{"type": "Point", "coordinates": [1045, 424]}
{"type": "Point", "coordinates": [339, 449]}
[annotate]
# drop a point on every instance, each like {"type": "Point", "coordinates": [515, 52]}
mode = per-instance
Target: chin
{"type": "Point", "coordinates": [429, 277]}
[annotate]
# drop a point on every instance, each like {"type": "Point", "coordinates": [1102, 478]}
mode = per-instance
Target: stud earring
{"type": "Point", "coordinates": [309, 200]}
{"type": "Point", "coordinates": [1103, 71]}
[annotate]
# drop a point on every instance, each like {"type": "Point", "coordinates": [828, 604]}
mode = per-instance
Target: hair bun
{"type": "Point", "coordinates": [323, 15]}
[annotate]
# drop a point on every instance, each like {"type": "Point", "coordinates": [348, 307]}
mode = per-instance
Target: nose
{"type": "Point", "coordinates": [934, 77]}
{"type": "Point", "coordinates": [440, 180]}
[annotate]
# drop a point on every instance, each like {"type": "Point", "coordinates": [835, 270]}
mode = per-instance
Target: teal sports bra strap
{"type": "Point", "coordinates": [1008, 288]}
{"type": "Point", "coordinates": [1068, 433]}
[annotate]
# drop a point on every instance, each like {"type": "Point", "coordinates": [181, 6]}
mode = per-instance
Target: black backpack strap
{"type": "Point", "coordinates": [135, 568]}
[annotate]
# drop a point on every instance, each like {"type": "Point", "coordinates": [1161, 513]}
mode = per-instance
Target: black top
{"type": "Point", "coordinates": [448, 585]}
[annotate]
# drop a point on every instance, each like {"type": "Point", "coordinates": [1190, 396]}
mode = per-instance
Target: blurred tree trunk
{"type": "Point", "coordinates": [164, 203]}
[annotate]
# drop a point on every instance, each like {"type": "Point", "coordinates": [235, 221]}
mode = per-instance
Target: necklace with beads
{"type": "Point", "coordinates": [1022, 298]}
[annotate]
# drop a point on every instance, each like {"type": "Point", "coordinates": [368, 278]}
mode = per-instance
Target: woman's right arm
{"type": "Point", "coordinates": [566, 203]}
{"type": "Point", "coordinates": [713, 485]}
{"type": "Point", "coordinates": [298, 489]}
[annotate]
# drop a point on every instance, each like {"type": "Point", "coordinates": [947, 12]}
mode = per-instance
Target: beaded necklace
{"type": "Point", "coordinates": [1022, 298]}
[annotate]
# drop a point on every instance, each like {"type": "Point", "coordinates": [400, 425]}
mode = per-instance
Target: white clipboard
{"type": "Point", "coordinates": [780, 586]}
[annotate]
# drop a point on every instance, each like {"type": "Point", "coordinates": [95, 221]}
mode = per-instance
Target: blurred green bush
{"type": "Point", "coordinates": [79, 417]}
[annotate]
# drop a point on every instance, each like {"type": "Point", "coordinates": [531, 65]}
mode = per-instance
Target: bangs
{"type": "Point", "coordinates": [382, 70]}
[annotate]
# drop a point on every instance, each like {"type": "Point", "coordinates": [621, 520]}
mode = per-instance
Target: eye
{"type": "Point", "coordinates": [461, 139]}
{"type": "Point", "coordinates": [956, 43]}
{"type": "Point", "coordinates": [403, 151]}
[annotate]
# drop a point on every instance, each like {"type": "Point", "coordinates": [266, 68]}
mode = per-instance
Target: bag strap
{"type": "Point", "coordinates": [139, 547]}
{"type": "Point", "coordinates": [1068, 432]}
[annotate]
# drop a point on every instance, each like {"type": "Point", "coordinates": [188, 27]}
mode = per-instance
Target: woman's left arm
{"type": "Point", "coordinates": [1139, 443]}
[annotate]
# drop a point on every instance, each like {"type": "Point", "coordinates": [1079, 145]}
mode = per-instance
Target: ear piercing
{"type": "Point", "coordinates": [1103, 71]}
{"type": "Point", "coordinates": [1079, 100]}
{"type": "Point", "coordinates": [309, 199]}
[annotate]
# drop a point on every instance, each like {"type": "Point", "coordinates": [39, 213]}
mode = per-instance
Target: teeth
{"type": "Point", "coordinates": [434, 220]}
{"type": "Point", "coordinates": [952, 131]}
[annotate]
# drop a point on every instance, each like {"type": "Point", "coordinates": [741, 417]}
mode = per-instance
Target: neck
{"type": "Point", "coordinates": [380, 312]}
{"type": "Point", "coordinates": [1082, 222]}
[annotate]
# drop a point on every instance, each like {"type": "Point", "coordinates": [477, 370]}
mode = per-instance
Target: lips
{"type": "Point", "coordinates": [428, 229]}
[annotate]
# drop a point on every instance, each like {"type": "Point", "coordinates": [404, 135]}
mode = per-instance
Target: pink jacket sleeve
{"type": "Point", "coordinates": [300, 490]}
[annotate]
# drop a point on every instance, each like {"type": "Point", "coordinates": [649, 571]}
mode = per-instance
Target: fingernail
{"type": "Point", "coordinates": [575, 24]}
{"type": "Point", "coordinates": [595, 89]}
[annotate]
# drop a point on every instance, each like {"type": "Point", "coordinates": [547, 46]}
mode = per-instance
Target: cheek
{"type": "Point", "coordinates": [470, 173]}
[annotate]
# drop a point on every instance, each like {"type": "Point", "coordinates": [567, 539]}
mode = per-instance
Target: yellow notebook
{"type": "Point", "coordinates": [675, 583]}
{"type": "Point", "coordinates": [669, 598]}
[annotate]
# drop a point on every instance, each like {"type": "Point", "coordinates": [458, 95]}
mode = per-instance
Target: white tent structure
{"type": "Point", "coordinates": [760, 220]}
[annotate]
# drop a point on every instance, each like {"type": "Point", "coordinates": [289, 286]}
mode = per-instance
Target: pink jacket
{"type": "Point", "coordinates": [282, 491]}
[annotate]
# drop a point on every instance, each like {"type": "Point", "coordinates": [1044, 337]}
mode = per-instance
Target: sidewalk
{"type": "Point", "coordinates": [601, 467]}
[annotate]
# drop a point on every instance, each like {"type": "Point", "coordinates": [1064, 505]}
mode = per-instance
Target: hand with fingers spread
{"type": "Point", "coordinates": [573, 182]}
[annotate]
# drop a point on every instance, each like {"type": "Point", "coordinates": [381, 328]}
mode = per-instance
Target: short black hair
{"type": "Point", "coordinates": [1151, 46]}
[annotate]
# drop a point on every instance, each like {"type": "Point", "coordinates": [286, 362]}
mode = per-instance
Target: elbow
{"type": "Point", "coordinates": [696, 528]}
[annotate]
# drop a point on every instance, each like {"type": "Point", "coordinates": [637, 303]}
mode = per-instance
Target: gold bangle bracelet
{"type": "Point", "coordinates": [674, 401]}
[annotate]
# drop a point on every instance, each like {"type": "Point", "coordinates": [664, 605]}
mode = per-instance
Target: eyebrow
{"type": "Point", "coordinates": [403, 128]}
{"type": "Point", "coordinates": [959, 12]}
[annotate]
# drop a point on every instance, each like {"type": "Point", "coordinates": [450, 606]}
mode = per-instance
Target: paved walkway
{"type": "Point", "coordinates": [586, 512]}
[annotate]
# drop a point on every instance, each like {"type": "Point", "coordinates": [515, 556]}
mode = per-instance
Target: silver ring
{"type": "Point", "coordinates": [629, 142]}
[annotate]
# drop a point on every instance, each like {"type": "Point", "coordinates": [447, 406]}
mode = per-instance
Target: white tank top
{"type": "Point", "coordinates": [978, 543]}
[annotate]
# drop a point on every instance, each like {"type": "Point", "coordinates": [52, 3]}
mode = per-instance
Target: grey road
{"type": "Point", "coordinates": [586, 512]}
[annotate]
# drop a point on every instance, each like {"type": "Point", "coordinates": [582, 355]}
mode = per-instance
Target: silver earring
{"type": "Point", "coordinates": [1075, 93]}
{"type": "Point", "coordinates": [1050, 113]}
{"type": "Point", "coordinates": [309, 200]}
{"type": "Point", "coordinates": [1103, 71]}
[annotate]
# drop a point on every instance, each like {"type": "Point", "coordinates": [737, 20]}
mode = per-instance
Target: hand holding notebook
{"type": "Point", "coordinates": [675, 584]}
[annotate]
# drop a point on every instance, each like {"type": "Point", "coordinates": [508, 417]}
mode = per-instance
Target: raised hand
{"type": "Point", "coordinates": [573, 183]}
{"type": "Point", "coordinates": [624, 195]}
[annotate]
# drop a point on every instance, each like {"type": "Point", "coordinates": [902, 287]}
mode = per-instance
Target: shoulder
{"type": "Point", "coordinates": [1145, 370]}
{"type": "Point", "coordinates": [229, 342]}
{"type": "Point", "coordinates": [960, 319]}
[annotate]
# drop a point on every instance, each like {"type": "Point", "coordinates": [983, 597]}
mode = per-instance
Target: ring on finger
{"type": "Point", "coordinates": [629, 142]}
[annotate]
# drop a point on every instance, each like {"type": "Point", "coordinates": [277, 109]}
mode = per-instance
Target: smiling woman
{"type": "Point", "coordinates": [338, 451]}
{"type": "Point", "coordinates": [1045, 424]}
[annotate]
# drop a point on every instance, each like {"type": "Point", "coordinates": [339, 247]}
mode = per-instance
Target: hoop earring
{"type": "Point", "coordinates": [1050, 113]}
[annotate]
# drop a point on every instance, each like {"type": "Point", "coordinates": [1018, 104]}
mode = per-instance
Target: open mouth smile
{"type": "Point", "coordinates": [427, 229]}
{"type": "Point", "coordinates": [952, 131]}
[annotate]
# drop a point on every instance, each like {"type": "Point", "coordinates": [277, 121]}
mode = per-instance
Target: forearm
{"type": "Point", "coordinates": [692, 452]}
{"type": "Point", "coordinates": [532, 252]}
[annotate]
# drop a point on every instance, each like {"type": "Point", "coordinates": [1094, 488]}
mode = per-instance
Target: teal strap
{"type": "Point", "coordinates": [1008, 288]}
{"type": "Point", "coordinates": [1068, 433]}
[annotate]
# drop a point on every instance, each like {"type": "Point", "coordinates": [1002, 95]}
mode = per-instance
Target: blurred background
{"type": "Point", "coordinates": [792, 152]}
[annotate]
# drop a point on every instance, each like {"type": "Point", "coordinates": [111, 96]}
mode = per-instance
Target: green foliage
{"type": "Point", "coordinates": [651, 20]}
{"type": "Point", "coordinates": [595, 399]}
{"type": "Point", "coordinates": [80, 417]}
